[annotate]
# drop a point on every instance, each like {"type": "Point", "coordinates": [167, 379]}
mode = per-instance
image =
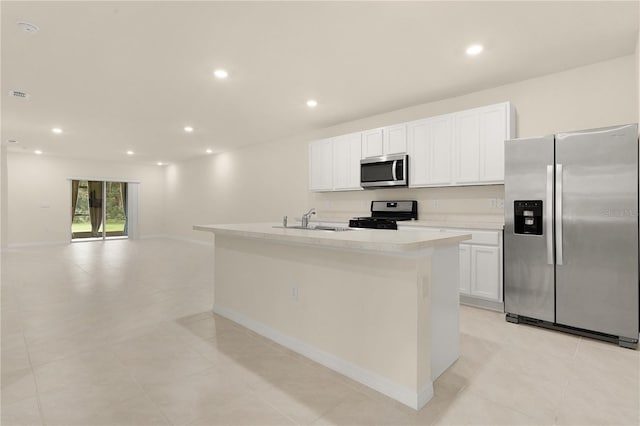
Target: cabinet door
{"type": "Point", "coordinates": [321, 165]}
{"type": "Point", "coordinates": [465, 269]}
{"type": "Point", "coordinates": [419, 152]}
{"type": "Point", "coordinates": [440, 140]}
{"type": "Point", "coordinates": [493, 133]}
{"type": "Point", "coordinates": [372, 143]}
{"type": "Point", "coordinates": [346, 162]}
{"type": "Point", "coordinates": [430, 147]}
{"type": "Point", "coordinates": [394, 139]}
{"type": "Point", "coordinates": [467, 129]}
{"type": "Point", "coordinates": [485, 272]}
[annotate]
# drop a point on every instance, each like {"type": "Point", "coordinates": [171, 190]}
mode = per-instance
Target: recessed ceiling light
{"type": "Point", "coordinates": [160, 163]}
{"type": "Point", "coordinates": [37, 151]}
{"type": "Point", "coordinates": [474, 49]}
{"type": "Point", "coordinates": [188, 129]}
{"type": "Point", "coordinates": [56, 130]}
{"type": "Point", "coordinates": [209, 151]}
{"type": "Point", "coordinates": [312, 103]}
{"type": "Point", "coordinates": [28, 27]}
{"type": "Point", "coordinates": [130, 152]}
{"type": "Point", "coordinates": [219, 73]}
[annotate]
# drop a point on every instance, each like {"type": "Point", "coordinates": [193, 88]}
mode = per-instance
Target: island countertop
{"type": "Point", "coordinates": [353, 239]}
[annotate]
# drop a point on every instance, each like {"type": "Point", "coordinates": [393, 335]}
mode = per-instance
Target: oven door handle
{"type": "Point", "coordinates": [393, 170]}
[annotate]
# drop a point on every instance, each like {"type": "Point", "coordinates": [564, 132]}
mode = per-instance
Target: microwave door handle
{"type": "Point", "coordinates": [393, 170]}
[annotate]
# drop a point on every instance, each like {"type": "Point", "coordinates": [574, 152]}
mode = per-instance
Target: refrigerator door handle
{"type": "Point", "coordinates": [548, 215]}
{"type": "Point", "coordinates": [559, 257]}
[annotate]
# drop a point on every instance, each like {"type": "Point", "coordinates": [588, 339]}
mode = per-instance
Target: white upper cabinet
{"type": "Point", "coordinates": [384, 141]}
{"type": "Point", "coordinates": [394, 139]}
{"type": "Point", "coordinates": [495, 128]}
{"type": "Point", "coordinates": [467, 130]}
{"type": "Point", "coordinates": [430, 148]}
{"type": "Point", "coordinates": [461, 148]}
{"type": "Point", "coordinates": [321, 165]}
{"type": "Point", "coordinates": [480, 135]}
{"type": "Point", "coordinates": [372, 143]}
{"type": "Point", "coordinates": [346, 162]}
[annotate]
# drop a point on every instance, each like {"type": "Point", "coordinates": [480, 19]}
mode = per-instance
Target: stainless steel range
{"type": "Point", "coordinates": [384, 214]}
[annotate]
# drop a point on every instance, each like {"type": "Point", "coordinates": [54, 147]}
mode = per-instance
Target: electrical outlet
{"type": "Point", "coordinates": [501, 203]}
{"type": "Point", "coordinates": [435, 204]}
{"type": "Point", "coordinates": [294, 293]}
{"type": "Point", "coordinates": [493, 203]}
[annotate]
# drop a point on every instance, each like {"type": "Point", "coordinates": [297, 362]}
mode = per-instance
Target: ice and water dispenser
{"type": "Point", "coordinates": [528, 217]}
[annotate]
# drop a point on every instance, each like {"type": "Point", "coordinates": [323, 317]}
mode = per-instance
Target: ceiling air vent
{"type": "Point", "coordinates": [12, 141]}
{"type": "Point", "coordinates": [19, 94]}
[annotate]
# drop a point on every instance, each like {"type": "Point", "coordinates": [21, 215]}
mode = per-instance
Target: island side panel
{"type": "Point", "coordinates": [445, 309]}
{"type": "Point", "coordinates": [365, 308]}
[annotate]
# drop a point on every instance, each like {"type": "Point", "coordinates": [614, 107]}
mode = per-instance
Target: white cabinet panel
{"type": "Point", "coordinates": [321, 165]}
{"type": "Point", "coordinates": [430, 144]}
{"type": "Point", "coordinates": [441, 143]}
{"type": "Point", "coordinates": [493, 133]}
{"type": "Point", "coordinates": [467, 126]}
{"type": "Point", "coordinates": [480, 136]}
{"type": "Point", "coordinates": [485, 277]}
{"type": "Point", "coordinates": [465, 269]}
{"type": "Point", "coordinates": [372, 143]}
{"type": "Point", "coordinates": [394, 140]}
{"type": "Point", "coordinates": [346, 162]}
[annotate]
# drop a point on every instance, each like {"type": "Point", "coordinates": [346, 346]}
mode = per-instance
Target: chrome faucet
{"type": "Point", "coordinates": [306, 216]}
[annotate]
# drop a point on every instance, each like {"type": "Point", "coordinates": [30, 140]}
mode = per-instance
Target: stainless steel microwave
{"type": "Point", "coordinates": [384, 171]}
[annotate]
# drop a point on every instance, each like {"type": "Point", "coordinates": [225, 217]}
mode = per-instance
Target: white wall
{"type": "Point", "coordinates": [39, 195]}
{"type": "Point", "coordinates": [265, 181]}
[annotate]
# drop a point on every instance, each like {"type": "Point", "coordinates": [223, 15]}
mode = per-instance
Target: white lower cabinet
{"type": "Point", "coordinates": [480, 260]}
{"type": "Point", "coordinates": [465, 268]}
{"type": "Point", "coordinates": [485, 274]}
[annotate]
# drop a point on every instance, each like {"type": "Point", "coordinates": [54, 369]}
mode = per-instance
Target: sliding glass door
{"type": "Point", "coordinates": [98, 210]}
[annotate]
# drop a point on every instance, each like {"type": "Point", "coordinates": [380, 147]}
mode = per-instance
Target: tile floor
{"type": "Point", "coordinates": [120, 333]}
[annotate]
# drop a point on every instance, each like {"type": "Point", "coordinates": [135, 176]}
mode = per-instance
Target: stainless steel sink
{"type": "Point", "coordinates": [317, 228]}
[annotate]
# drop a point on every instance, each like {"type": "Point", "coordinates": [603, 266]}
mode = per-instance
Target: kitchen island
{"type": "Point", "coordinates": [378, 306]}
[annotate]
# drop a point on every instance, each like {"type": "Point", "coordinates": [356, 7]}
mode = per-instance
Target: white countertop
{"type": "Point", "coordinates": [466, 224]}
{"type": "Point", "coordinates": [455, 225]}
{"type": "Point", "coordinates": [356, 239]}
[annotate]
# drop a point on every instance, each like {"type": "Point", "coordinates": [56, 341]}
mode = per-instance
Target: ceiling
{"type": "Point", "coordinates": [119, 76]}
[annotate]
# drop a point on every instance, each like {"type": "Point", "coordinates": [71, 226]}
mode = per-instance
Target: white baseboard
{"type": "Point", "coordinates": [36, 244]}
{"type": "Point", "coordinates": [150, 236]}
{"type": "Point", "coordinates": [400, 393]}
{"type": "Point", "coordinates": [191, 240]}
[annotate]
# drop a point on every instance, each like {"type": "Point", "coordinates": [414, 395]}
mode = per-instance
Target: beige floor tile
{"type": "Point", "coordinates": [367, 411]}
{"type": "Point", "coordinates": [15, 357]}
{"type": "Point", "coordinates": [306, 400]}
{"type": "Point", "coordinates": [100, 368]}
{"type": "Point", "coordinates": [472, 409]}
{"type": "Point", "coordinates": [245, 411]}
{"type": "Point", "coordinates": [197, 396]}
{"type": "Point", "coordinates": [586, 403]}
{"type": "Point", "coordinates": [17, 385]}
{"type": "Point", "coordinates": [21, 413]}
{"type": "Point", "coordinates": [108, 406]}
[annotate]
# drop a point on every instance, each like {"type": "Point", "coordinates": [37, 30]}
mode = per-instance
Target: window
{"type": "Point", "coordinates": [99, 209]}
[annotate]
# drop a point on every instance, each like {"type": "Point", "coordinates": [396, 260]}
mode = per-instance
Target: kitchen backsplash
{"type": "Point", "coordinates": [451, 204]}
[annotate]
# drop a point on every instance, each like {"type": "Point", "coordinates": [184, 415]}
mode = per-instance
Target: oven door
{"type": "Point", "coordinates": [388, 170]}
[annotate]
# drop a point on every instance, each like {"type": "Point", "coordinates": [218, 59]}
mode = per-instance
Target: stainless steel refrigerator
{"type": "Point", "coordinates": [571, 233]}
